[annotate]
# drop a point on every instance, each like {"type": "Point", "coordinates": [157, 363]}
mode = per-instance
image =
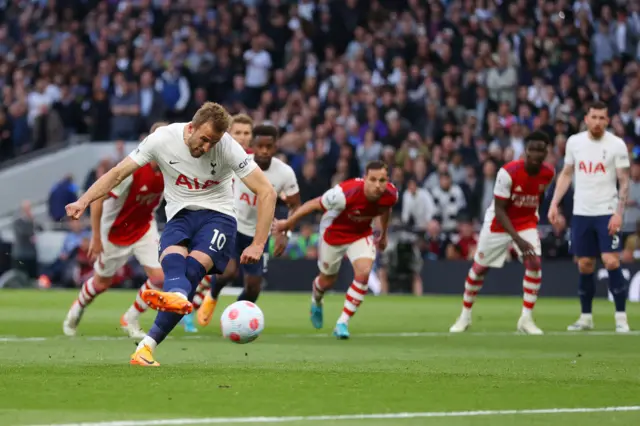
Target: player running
{"type": "Point", "coordinates": [513, 216]}
{"type": "Point", "coordinates": [597, 157]}
{"type": "Point", "coordinates": [283, 179]}
{"type": "Point", "coordinates": [198, 160]}
{"type": "Point", "coordinates": [349, 209]}
{"type": "Point", "coordinates": [123, 224]}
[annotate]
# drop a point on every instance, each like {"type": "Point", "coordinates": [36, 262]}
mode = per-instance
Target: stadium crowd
{"type": "Point", "coordinates": [443, 91]}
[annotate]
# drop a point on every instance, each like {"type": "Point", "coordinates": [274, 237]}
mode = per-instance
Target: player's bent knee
{"type": "Point", "coordinates": [611, 261]}
{"type": "Point", "coordinates": [362, 267]}
{"type": "Point", "coordinates": [533, 264]}
{"type": "Point", "coordinates": [181, 250]}
{"type": "Point", "coordinates": [101, 283]}
{"type": "Point", "coordinates": [203, 258]}
{"type": "Point", "coordinates": [156, 276]}
{"type": "Point", "coordinates": [586, 265]}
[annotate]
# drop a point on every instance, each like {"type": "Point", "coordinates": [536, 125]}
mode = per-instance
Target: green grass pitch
{"type": "Point", "coordinates": [400, 360]}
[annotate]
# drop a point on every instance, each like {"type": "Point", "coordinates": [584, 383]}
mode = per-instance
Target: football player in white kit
{"type": "Point", "coordinates": [283, 179]}
{"type": "Point", "coordinates": [599, 160]}
{"type": "Point", "coordinates": [198, 161]}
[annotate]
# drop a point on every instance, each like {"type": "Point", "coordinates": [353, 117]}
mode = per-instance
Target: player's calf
{"type": "Point", "coordinates": [252, 287]}
{"type": "Point", "coordinates": [619, 287]}
{"type": "Point", "coordinates": [531, 286]}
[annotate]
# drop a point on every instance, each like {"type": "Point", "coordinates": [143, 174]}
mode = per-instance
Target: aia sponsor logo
{"type": "Point", "coordinates": [194, 184]}
{"type": "Point", "coordinates": [591, 168]}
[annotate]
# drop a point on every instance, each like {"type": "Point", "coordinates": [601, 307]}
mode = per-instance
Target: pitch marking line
{"type": "Point", "coordinates": [288, 419]}
{"type": "Point", "coordinates": [17, 339]}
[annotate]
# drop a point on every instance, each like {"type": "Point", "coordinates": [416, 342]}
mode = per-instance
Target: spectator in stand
{"type": "Point", "coordinates": [24, 254]}
{"type": "Point", "coordinates": [62, 193]}
{"type": "Point", "coordinates": [632, 212]}
{"type": "Point", "coordinates": [435, 243]}
{"type": "Point", "coordinates": [449, 201]}
{"type": "Point", "coordinates": [418, 207]}
{"type": "Point", "coordinates": [463, 243]}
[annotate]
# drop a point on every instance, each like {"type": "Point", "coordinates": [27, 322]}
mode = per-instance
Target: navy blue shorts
{"type": "Point", "coordinates": [208, 231]}
{"type": "Point", "coordinates": [254, 269]}
{"type": "Point", "coordinates": [590, 236]}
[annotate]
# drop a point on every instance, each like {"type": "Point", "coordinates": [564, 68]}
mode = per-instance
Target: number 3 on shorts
{"type": "Point", "coordinates": [615, 242]}
{"type": "Point", "coordinates": [218, 240]}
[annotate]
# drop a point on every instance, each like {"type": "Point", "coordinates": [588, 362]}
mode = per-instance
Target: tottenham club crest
{"type": "Point", "coordinates": [213, 168]}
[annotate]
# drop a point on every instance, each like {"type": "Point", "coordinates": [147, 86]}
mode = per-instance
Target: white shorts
{"type": "Point", "coordinates": [330, 257]}
{"type": "Point", "coordinates": [493, 246]}
{"type": "Point", "coordinates": [114, 257]}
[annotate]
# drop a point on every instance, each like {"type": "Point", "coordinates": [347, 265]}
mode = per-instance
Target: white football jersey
{"type": "Point", "coordinates": [203, 183]}
{"type": "Point", "coordinates": [284, 181]}
{"type": "Point", "coordinates": [595, 163]}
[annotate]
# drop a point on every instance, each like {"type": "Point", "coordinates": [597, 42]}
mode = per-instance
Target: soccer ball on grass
{"type": "Point", "coordinates": [242, 322]}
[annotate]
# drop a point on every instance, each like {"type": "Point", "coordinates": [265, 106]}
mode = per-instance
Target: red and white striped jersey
{"type": "Point", "coordinates": [130, 209]}
{"type": "Point", "coordinates": [349, 214]}
{"type": "Point", "coordinates": [523, 191]}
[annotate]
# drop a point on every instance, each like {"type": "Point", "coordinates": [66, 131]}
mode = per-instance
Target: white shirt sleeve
{"type": "Point", "coordinates": [147, 149]}
{"type": "Point", "coordinates": [569, 160]}
{"type": "Point", "coordinates": [622, 157]}
{"type": "Point", "coordinates": [122, 188]}
{"type": "Point", "coordinates": [241, 164]}
{"type": "Point", "coordinates": [290, 182]}
{"type": "Point", "coordinates": [334, 199]}
{"type": "Point", "coordinates": [502, 189]}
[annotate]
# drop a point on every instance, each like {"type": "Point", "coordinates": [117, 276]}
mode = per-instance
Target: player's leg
{"type": "Point", "coordinates": [530, 284]}
{"type": "Point", "coordinates": [585, 247]}
{"type": "Point", "coordinates": [110, 260]}
{"type": "Point", "coordinates": [146, 252]}
{"type": "Point", "coordinates": [361, 253]}
{"type": "Point", "coordinates": [618, 285]}
{"type": "Point", "coordinates": [329, 259]}
{"type": "Point", "coordinates": [253, 276]}
{"type": "Point", "coordinates": [212, 237]}
{"type": "Point", "coordinates": [490, 253]}
{"type": "Point", "coordinates": [210, 300]}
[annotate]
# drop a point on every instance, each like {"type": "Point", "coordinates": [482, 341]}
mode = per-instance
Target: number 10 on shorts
{"type": "Point", "coordinates": [218, 240]}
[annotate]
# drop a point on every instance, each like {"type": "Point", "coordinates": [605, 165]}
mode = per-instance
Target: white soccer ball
{"type": "Point", "coordinates": [242, 322]}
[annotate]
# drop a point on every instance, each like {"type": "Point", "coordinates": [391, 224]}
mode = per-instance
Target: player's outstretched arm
{"type": "Point", "coordinates": [304, 210]}
{"type": "Point", "coordinates": [102, 186]}
{"type": "Point", "coordinates": [562, 186]}
{"type": "Point", "coordinates": [95, 248]}
{"type": "Point", "coordinates": [258, 183]}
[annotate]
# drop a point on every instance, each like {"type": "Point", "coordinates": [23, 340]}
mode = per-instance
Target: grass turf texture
{"type": "Point", "coordinates": [294, 370]}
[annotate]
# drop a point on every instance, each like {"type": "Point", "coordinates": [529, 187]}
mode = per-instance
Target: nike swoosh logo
{"type": "Point", "coordinates": [146, 360]}
{"type": "Point", "coordinates": [173, 162]}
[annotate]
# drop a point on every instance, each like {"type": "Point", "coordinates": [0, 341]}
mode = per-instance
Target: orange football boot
{"type": "Point", "coordinates": [144, 358]}
{"type": "Point", "coordinates": [207, 308]}
{"type": "Point", "coordinates": [167, 302]}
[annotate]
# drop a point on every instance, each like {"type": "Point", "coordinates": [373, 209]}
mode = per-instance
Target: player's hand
{"type": "Point", "coordinates": [75, 209]}
{"type": "Point", "coordinates": [280, 226]}
{"type": "Point", "coordinates": [553, 214]}
{"type": "Point", "coordinates": [526, 248]}
{"type": "Point", "coordinates": [381, 242]}
{"type": "Point", "coordinates": [251, 254]}
{"type": "Point", "coordinates": [281, 244]}
{"type": "Point", "coordinates": [614, 224]}
{"type": "Point", "coordinates": [95, 248]}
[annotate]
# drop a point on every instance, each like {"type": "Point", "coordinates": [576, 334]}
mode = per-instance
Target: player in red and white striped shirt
{"type": "Point", "coordinates": [123, 224]}
{"type": "Point", "coordinates": [349, 210]}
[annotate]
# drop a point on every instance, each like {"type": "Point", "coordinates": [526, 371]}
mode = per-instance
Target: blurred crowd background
{"type": "Point", "coordinates": [443, 90]}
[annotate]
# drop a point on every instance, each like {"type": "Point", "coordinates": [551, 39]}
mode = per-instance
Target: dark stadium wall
{"type": "Point", "coordinates": [559, 279]}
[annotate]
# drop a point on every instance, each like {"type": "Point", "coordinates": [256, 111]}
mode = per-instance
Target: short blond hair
{"type": "Point", "coordinates": [157, 125]}
{"type": "Point", "coordinates": [213, 113]}
{"type": "Point", "coordinates": [242, 119]}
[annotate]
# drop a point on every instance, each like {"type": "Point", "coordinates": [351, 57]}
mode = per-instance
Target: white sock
{"type": "Point", "coordinates": [621, 316]}
{"type": "Point", "coordinates": [466, 312]}
{"type": "Point", "coordinates": [526, 312]}
{"type": "Point", "coordinates": [586, 317]}
{"type": "Point", "coordinates": [147, 341]}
